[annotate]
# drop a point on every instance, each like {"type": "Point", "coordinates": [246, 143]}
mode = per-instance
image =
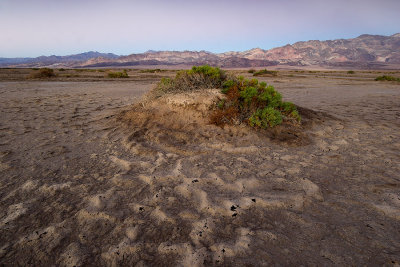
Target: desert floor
{"type": "Point", "coordinates": [77, 187]}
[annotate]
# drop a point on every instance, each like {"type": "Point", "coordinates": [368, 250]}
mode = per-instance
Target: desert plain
{"type": "Point", "coordinates": [86, 182]}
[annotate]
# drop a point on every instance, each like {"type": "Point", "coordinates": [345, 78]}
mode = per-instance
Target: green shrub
{"type": "Point", "coordinates": [266, 72]}
{"type": "Point", "coordinates": [62, 69]}
{"type": "Point", "coordinates": [123, 74]}
{"type": "Point", "coordinates": [152, 71]}
{"type": "Point", "coordinates": [43, 73]}
{"type": "Point", "coordinates": [249, 101]}
{"type": "Point", "coordinates": [257, 104]}
{"type": "Point", "coordinates": [350, 72]}
{"type": "Point", "coordinates": [387, 78]}
{"type": "Point", "coordinates": [251, 71]}
{"type": "Point", "coordinates": [199, 77]}
{"type": "Point", "coordinates": [266, 117]}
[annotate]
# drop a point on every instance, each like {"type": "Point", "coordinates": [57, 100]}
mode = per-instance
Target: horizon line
{"type": "Point", "coordinates": [198, 51]}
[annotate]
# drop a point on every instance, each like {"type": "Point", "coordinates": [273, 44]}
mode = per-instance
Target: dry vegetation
{"type": "Point", "coordinates": [245, 101]}
{"type": "Point", "coordinates": [43, 73]}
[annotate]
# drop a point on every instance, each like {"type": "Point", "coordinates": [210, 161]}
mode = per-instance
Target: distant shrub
{"type": "Point", "coordinates": [152, 71]}
{"type": "Point", "coordinates": [123, 74]}
{"type": "Point", "coordinates": [266, 72]}
{"type": "Point", "coordinates": [199, 77]}
{"type": "Point", "coordinates": [387, 78]}
{"type": "Point", "coordinates": [62, 69]}
{"type": "Point", "coordinates": [251, 71]}
{"type": "Point", "coordinates": [350, 72]}
{"type": "Point", "coordinates": [43, 73]}
{"type": "Point", "coordinates": [252, 102]}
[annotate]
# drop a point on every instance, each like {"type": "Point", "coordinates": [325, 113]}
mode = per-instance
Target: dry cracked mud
{"type": "Point", "coordinates": [79, 187]}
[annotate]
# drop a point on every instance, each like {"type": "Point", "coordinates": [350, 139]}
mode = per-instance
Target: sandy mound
{"type": "Point", "coordinates": [181, 123]}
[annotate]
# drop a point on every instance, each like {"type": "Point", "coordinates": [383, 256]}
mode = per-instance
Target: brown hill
{"type": "Point", "coordinates": [363, 52]}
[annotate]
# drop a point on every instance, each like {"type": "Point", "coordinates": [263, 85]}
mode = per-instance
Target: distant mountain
{"type": "Point", "coordinates": [41, 61]}
{"type": "Point", "coordinates": [365, 51]}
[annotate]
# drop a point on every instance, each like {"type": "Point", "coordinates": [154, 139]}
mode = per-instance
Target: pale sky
{"type": "Point", "coordinates": [30, 28]}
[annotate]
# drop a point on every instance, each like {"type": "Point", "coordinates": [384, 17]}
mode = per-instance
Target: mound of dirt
{"type": "Point", "coordinates": [181, 122]}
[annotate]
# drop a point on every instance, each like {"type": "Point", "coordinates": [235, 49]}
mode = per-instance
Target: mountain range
{"type": "Point", "coordinates": [363, 52]}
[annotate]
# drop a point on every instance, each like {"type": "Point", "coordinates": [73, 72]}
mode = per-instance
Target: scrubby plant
{"type": "Point", "coordinates": [265, 72]}
{"type": "Point", "coordinates": [199, 77]}
{"type": "Point", "coordinates": [257, 104]}
{"type": "Point", "coordinates": [350, 72]}
{"type": "Point", "coordinates": [152, 70]}
{"type": "Point", "coordinates": [387, 78]}
{"type": "Point", "coordinates": [43, 73]}
{"type": "Point", "coordinates": [123, 74]}
{"type": "Point", "coordinates": [251, 71]}
{"type": "Point", "coordinates": [245, 101]}
{"type": "Point", "coordinates": [62, 69]}
{"type": "Point", "coordinates": [266, 117]}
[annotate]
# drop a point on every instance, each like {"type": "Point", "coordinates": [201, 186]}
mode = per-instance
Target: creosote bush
{"type": "Point", "coordinates": [152, 71]}
{"type": "Point", "coordinates": [257, 104]}
{"type": "Point", "coordinates": [266, 72]}
{"type": "Point", "coordinates": [199, 77]}
{"type": "Point", "coordinates": [123, 74]}
{"type": "Point", "coordinates": [387, 78]}
{"type": "Point", "coordinates": [43, 73]}
{"type": "Point", "coordinates": [245, 101]}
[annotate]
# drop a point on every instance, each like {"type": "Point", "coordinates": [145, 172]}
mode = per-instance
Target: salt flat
{"type": "Point", "coordinates": [80, 187]}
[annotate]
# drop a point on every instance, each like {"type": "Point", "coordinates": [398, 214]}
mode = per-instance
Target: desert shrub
{"type": "Point", "coordinates": [387, 78]}
{"type": "Point", "coordinates": [265, 72]}
{"type": "Point", "coordinates": [257, 104]}
{"type": "Point", "coordinates": [62, 69]}
{"type": "Point", "coordinates": [199, 77]}
{"type": "Point", "coordinates": [245, 100]}
{"type": "Point", "coordinates": [266, 117]}
{"type": "Point", "coordinates": [123, 74]}
{"type": "Point", "coordinates": [350, 72]}
{"type": "Point", "coordinates": [251, 71]}
{"type": "Point", "coordinates": [152, 70]}
{"type": "Point", "coordinates": [43, 73]}
{"type": "Point", "coordinates": [165, 85]}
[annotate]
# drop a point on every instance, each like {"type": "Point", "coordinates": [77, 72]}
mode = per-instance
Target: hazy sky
{"type": "Point", "coordinates": [46, 27]}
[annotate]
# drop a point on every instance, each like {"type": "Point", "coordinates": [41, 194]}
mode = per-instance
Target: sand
{"type": "Point", "coordinates": [81, 185]}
